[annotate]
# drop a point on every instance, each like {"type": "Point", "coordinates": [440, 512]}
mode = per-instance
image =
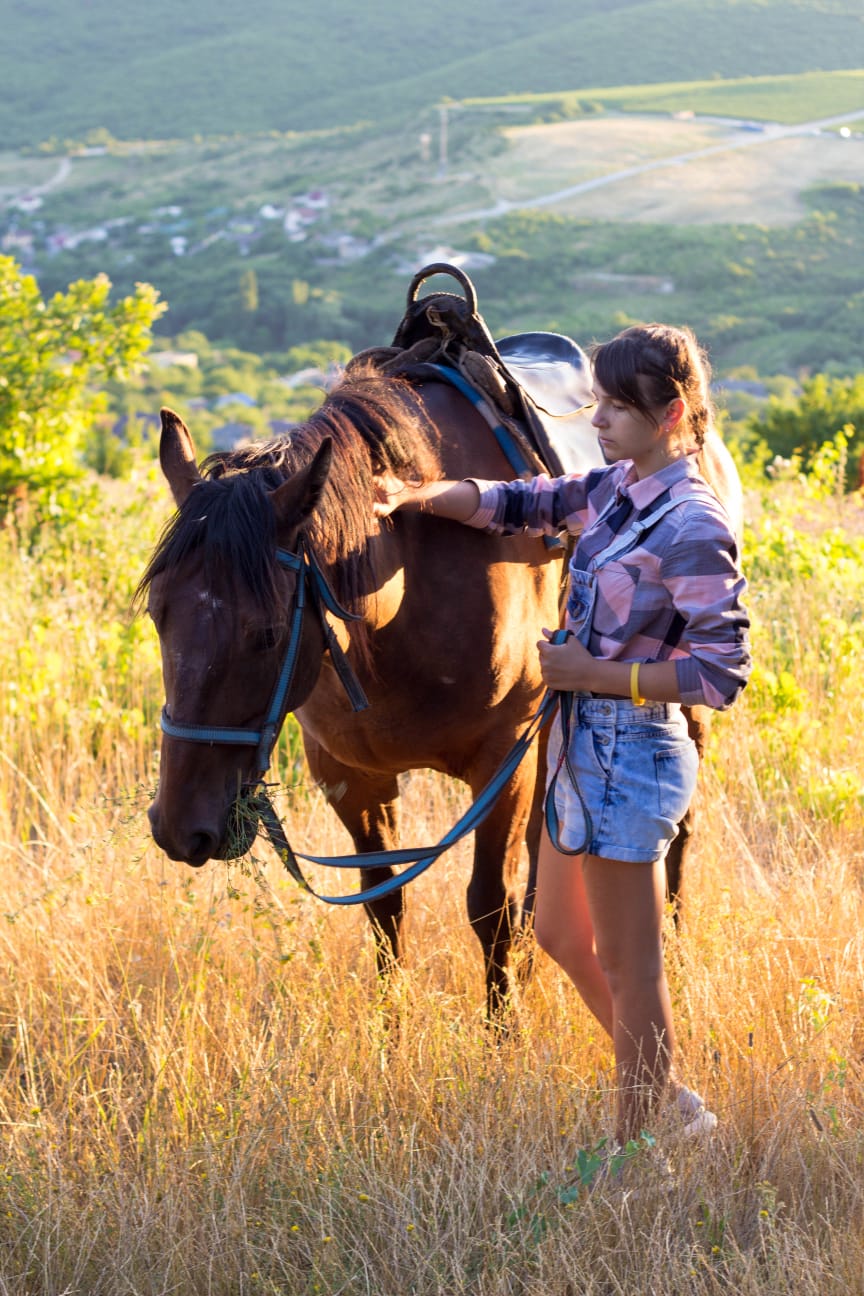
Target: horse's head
{"type": "Point", "coordinates": [222, 604]}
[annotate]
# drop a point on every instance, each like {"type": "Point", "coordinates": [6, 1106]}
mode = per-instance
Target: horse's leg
{"type": "Point", "coordinates": [493, 905]}
{"type": "Point", "coordinates": [698, 724]}
{"type": "Point", "coordinates": [368, 806]}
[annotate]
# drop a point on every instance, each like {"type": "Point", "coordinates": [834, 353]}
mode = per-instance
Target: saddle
{"type": "Point", "coordinates": [536, 386]}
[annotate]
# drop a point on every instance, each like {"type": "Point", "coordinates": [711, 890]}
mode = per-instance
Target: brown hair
{"type": "Point", "coordinates": [649, 365]}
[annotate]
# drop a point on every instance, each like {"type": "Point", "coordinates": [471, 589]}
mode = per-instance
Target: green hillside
{"type": "Point", "coordinates": [776, 287]}
{"type": "Point", "coordinates": [207, 67]}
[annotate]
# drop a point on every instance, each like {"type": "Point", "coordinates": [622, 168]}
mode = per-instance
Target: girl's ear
{"type": "Point", "coordinates": [675, 411]}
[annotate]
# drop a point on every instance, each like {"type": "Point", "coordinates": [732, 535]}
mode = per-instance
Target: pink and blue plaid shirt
{"type": "Point", "coordinates": [676, 595]}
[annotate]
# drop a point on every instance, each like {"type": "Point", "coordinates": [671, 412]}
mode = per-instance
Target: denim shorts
{"type": "Point", "coordinates": [636, 770]}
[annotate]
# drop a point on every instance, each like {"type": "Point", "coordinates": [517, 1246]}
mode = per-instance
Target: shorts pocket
{"type": "Point", "coordinates": [676, 769]}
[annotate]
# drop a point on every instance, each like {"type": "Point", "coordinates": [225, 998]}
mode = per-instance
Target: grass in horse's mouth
{"type": "Point", "coordinates": [242, 826]}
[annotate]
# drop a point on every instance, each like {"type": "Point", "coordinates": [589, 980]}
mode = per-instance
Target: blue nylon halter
{"type": "Point", "coordinates": [417, 859]}
{"type": "Point", "coordinates": [308, 573]}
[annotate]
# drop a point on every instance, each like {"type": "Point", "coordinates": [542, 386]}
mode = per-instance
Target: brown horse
{"type": "Point", "coordinates": [445, 643]}
{"type": "Point", "coordinates": [445, 647]}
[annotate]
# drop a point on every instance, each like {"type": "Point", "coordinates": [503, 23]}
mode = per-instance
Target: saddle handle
{"type": "Point", "coordinates": [442, 267]}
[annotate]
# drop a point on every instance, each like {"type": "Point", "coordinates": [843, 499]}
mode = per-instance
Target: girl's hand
{"type": "Point", "coordinates": [390, 492]}
{"type": "Point", "coordinates": [566, 667]}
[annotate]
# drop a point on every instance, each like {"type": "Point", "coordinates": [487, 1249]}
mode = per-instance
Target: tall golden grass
{"type": "Point", "coordinates": [200, 1092]}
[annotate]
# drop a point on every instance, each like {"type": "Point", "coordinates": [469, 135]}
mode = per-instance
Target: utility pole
{"type": "Point", "coordinates": [442, 148]}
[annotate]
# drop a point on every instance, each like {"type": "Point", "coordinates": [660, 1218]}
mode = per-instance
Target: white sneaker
{"type": "Point", "coordinates": [699, 1122]}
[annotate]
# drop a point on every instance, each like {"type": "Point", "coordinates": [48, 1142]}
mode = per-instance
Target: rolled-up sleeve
{"type": "Point", "coordinates": [707, 589]}
{"type": "Point", "coordinates": [542, 506]}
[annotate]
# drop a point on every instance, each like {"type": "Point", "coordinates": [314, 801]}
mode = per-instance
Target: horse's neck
{"type": "Point", "coordinates": [717, 466]}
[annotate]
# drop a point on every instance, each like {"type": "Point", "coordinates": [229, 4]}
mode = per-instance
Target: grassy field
{"type": "Point", "coordinates": [198, 1093]}
{"type": "Point", "coordinates": [789, 99]}
{"type": "Point", "coordinates": [660, 171]}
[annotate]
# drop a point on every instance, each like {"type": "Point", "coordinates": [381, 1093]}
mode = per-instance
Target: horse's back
{"type": "Point", "coordinates": [718, 468]}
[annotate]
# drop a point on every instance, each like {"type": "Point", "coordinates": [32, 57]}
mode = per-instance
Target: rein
{"type": "Point", "coordinates": [416, 859]}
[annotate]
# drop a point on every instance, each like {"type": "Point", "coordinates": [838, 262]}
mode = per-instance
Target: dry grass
{"type": "Point", "coordinates": [199, 1093]}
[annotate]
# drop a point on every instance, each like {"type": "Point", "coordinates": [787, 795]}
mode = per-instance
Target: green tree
{"type": "Point", "coordinates": [249, 291]}
{"type": "Point", "coordinates": [801, 426]}
{"type": "Point", "coordinates": [54, 357]}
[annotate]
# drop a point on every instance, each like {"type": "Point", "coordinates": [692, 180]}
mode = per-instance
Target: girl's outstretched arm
{"type": "Point", "coordinates": [457, 500]}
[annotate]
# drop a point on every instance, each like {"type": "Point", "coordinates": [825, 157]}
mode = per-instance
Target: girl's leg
{"type": "Point", "coordinates": [626, 903]}
{"type": "Point", "coordinates": [563, 928]}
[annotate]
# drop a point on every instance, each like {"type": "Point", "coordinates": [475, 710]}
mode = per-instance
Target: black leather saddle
{"type": "Point", "coordinates": [538, 384]}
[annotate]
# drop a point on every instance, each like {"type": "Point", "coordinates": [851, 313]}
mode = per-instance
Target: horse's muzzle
{"type": "Point", "coordinates": [195, 844]}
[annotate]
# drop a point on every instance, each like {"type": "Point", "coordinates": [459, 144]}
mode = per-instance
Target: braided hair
{"type": "Point", "coordinates": [649, 365]}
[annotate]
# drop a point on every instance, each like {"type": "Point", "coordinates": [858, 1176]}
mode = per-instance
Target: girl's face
{"type": "Point", "coordinates": [625, 433]}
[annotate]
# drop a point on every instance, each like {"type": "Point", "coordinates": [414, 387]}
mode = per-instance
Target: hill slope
{"type": "Point", "coordinates": [163, 71]}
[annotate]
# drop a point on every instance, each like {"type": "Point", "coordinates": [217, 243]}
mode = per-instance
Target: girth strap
{"type": "Point", "coordinates": [509, 444]}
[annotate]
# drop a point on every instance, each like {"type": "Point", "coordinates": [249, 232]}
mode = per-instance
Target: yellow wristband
{"type": "Point", "coordinates": [638, 700]}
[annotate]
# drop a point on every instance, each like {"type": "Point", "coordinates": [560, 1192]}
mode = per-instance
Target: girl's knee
{"type": "Point", "coordinates": [548, 935]}
{"type": "Point", "coordinates": [574, 956]}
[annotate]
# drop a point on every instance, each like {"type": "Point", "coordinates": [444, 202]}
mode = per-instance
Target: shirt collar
{"type": "Point", "coordinates": [645, 491]}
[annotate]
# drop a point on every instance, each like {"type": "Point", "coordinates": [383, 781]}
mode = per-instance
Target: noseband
{"type": "Point", "coordinates": [312, 590]}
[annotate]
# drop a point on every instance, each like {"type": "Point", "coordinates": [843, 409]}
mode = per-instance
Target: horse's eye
{"type": "Point", "coordinates": [267, 638]}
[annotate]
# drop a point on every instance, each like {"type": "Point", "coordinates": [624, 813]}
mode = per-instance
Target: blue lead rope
{"type": "Point", "coordinates": [550, 810]}
{"type": "Point", "coordinates": [418, 859]}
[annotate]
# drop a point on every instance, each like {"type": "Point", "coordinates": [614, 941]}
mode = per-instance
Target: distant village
{"type": "Point", "coordinates": [30, 238]}
{"type": "Point", "coordinates": [26, 234]}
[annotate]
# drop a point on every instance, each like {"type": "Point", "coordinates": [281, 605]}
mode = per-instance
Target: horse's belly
{"type": "Point", "coordinates": [439, 724]}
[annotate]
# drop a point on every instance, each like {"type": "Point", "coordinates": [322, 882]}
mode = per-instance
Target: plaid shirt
{"type": "Point", "coordinates": [675, 595]}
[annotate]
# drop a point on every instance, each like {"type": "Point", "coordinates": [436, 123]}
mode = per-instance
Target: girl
{"type": "Point", "coordinates": [655, 620]}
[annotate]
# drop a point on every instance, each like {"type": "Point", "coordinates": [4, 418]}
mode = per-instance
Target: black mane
{"type": "Point", "coordinates": [376, 423]}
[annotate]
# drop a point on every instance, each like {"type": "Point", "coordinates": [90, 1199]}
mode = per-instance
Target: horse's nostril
{"type": "Point", "coordinates": [201, 847]}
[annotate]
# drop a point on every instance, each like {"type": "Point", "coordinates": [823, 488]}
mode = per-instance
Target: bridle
{"type": "Point", "coordinates": [311, 590]}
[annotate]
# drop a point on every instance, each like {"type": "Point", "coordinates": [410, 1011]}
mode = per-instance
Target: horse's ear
{"type": "Point", "coordinates": [298, 498]}
{"type": "Point", "coordinates": [177, 455]}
